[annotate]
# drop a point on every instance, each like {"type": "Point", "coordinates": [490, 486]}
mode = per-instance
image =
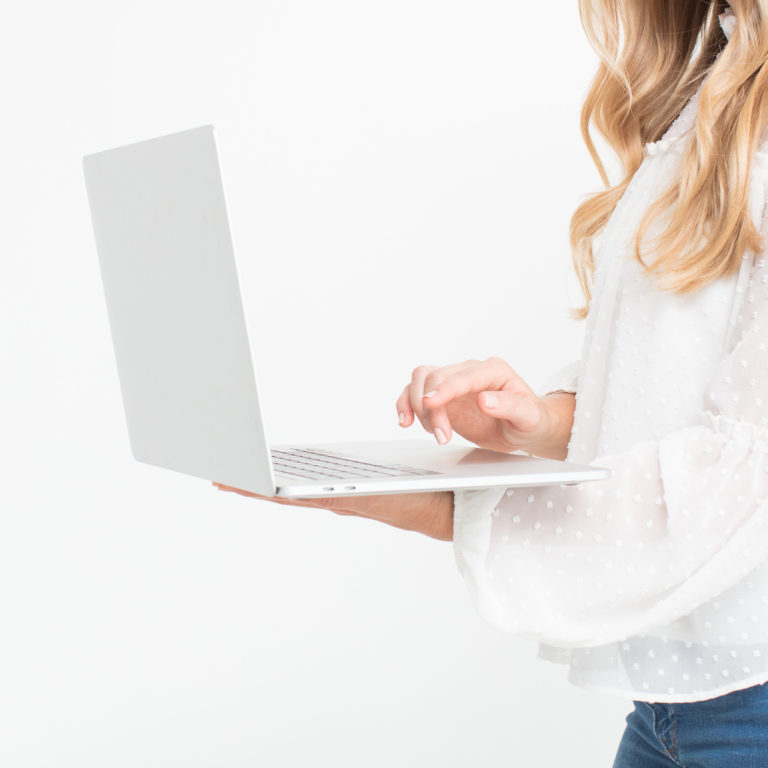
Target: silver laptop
{"type": "Point", "coordinates": [183, 356]}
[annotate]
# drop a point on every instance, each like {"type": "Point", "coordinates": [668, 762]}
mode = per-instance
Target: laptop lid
{"type": "Point", "coordinates": [175, 309]}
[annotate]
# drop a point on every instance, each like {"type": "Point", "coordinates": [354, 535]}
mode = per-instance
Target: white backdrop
{"type": "Point", "coordinates": [400, 177]}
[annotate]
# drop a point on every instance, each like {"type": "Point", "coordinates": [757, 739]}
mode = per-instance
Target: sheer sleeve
{"type": "Point", "coordinates": [564, 379]}
{"type": "Point", "coordinates": [683, 517]}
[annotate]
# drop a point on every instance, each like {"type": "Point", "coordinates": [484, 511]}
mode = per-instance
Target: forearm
{"type": "Point", "coordinates": [560, 407]}
{"type": "Point", "coordinates": [429, 513]}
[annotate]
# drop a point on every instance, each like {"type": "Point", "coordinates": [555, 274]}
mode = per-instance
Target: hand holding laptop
{"type": "Point", "coordinates": [456, 398]}
{"type": "Point", "coordinates": [429, 513]}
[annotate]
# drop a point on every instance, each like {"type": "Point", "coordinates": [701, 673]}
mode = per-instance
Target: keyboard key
{"type": "Point", "coordinates": [318, 464]}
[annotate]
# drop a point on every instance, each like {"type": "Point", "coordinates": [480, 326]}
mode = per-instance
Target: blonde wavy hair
{"type": "Point", "coordinates": [653, 56]}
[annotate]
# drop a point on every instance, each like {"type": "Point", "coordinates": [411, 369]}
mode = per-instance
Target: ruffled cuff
{"type": "Point", "coordinates": [752, 433]}
{"type": "Point", "coordinates": [473, 511]}
{"type": "Point", "coordinates": [564, 379]}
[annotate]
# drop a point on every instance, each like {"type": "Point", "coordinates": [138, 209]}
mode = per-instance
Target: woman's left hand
{"type": "Point", "coordinates": [430, 513]}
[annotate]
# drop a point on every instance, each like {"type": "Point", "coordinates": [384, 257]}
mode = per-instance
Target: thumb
{"type": "Point", "coordinates": [519, 409]}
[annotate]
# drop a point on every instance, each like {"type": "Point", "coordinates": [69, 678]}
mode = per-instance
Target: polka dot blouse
{"type": "Point", "coordinates": [652, 583]}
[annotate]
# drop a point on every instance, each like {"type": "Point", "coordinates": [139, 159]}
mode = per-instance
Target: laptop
{"type": "Point", "coordinates": [184, 360]}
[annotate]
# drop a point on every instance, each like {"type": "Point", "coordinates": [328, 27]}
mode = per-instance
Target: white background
{"type": "Point", "coordinates": [400, 177]}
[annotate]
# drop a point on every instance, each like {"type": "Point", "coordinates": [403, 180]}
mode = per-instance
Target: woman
{"type": "Point", "coordinates": [653, 583]}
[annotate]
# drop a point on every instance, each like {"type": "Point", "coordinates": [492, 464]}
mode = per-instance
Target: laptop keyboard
{"type": "Point", "coordinates": [317, 464]}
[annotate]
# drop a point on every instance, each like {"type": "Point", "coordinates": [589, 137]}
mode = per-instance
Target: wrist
{"type": "Point", "coordinates": [439, 520]}
{"type": "Point", "coordinates": [430, 513]}
{"type": "Point", "coordinates": [559, 407]}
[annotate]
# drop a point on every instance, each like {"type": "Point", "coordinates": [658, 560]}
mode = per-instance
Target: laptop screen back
{"type": "Point", "coordinates": [175, 310]}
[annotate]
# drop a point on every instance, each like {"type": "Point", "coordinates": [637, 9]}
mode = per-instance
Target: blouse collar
{"type": "Point", "coordinates": [727, 21]}
{"type": "Point", "coordinates": [684, 122]}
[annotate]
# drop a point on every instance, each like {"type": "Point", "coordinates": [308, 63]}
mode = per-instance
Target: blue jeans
{"type": "Point", "coordinates": [729, 731]}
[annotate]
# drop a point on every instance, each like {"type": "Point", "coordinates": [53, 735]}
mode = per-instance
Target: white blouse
{"type": "Point", "coordinates": [652, 583]}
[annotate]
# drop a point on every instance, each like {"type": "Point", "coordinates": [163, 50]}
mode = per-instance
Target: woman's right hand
{"type": "Point", "coordinates": [487, 403]}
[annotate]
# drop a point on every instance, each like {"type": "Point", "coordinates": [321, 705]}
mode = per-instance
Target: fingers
{"type": "Point", "coordinates": [277, 499]}
{"type": "Point", "coordinates": [416, 392]}
{"type": "Point", "coordinates": [501, 394]}
{"type": "Point", "coordinates": [323, 502]}
{"type": "Point", "coordinates": [412, 404]}
{"type": "Point", "coordinates": [409, 403]}
{"type": "Point", "coordinates": [404, 410]}
{"type": "Point", "coordinates": [436, 416]}
{"type": "Point", "coordinates": [517, 410]}
{"type": "Point", "coordinates": [493, 377]}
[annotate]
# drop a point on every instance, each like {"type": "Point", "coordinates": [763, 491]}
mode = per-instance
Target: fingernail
{"type": "Point", "coordinates": [491, 401]}
{"type": "Point", "coordinates": [401, 415]}
{"type": "Point", "coordinates": [429, 394]}
{"type": "Point", "coordinates": [440, 435]}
